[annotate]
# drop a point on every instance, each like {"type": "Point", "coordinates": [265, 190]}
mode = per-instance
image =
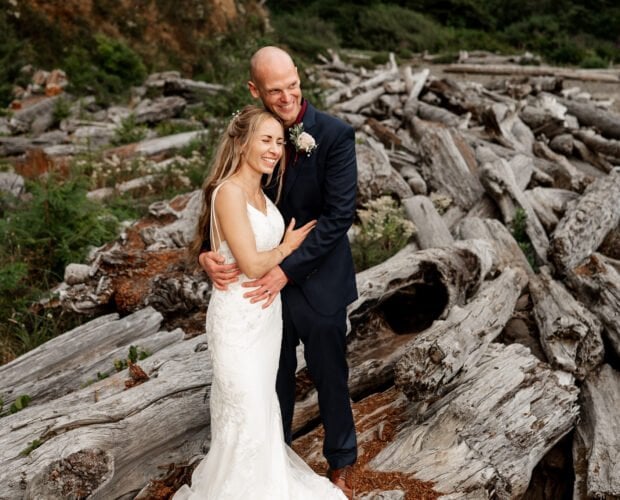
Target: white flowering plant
{"type": "Point", "coordinates": [383, 229]}
{"type": "Point", "coordinates": [303, 141]}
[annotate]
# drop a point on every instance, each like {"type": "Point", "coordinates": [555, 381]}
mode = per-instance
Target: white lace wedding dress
{"type": "Point", "coordinates": [248, 458]}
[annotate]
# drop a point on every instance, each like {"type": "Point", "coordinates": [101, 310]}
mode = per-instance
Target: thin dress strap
{"type": "Point", "coordinates": [213, 222]}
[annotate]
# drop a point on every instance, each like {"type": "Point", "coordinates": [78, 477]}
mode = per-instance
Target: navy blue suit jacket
{"type": "Point", "coordinates": [322, 186]}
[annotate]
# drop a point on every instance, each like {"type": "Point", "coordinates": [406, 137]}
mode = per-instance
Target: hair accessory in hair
{"type": "Point", "coordinates": [235, 114]}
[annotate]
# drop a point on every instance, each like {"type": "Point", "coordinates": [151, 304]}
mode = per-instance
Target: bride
{"type": "Point", "coordinates": [248, 458]}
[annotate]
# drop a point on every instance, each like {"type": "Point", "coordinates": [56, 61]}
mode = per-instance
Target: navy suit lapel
{"type": "Point", "coordinates": [294, 167]}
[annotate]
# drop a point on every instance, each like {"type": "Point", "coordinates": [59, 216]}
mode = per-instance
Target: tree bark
{"type": "Point", "coordinates": [550, 204]}
{"type": "Point", "coordinates": [454, 273]}
{"type": "Point", "coordinates": [74, 359]}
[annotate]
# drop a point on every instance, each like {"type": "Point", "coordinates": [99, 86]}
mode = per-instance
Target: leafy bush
{"type": "Point", "coordinates": [38, 238]}
{"type": "Point", "coordinates": [382, 231]}
{"type": "Point", "coordinates": [129, 132]}
{"type": "Point", "coordinates": [106, 67]}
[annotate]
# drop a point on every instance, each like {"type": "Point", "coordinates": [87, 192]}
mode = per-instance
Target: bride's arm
{"type": "Point", "coordinates": [235, 228]}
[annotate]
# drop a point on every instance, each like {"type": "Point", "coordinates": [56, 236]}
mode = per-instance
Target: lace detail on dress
{"type": "Point", "coordinates": [248, 458]}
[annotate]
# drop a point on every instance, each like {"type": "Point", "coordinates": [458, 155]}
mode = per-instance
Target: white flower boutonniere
{"type": "Point", "coordinates": [302, 141]}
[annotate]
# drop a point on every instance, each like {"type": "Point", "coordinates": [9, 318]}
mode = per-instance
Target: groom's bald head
{"type": "Point", "coordinates": [275, 81]}
{"type": "Point", "coordinates": [266, 58]}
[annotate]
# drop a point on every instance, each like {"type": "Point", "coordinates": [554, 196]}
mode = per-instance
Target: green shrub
{"type": "Point", "coordinates": [383, 230]}
{"type": "Point", "coordinates": [106, 67]}
{"type": "Point", "coordinates": [129, 132]}
{"type": "Point", "coordinates": [593, 61]}
{"type": "Point", "coordinates": [38, 238]}
{"type": "Point", "coordinates": [518, 229]}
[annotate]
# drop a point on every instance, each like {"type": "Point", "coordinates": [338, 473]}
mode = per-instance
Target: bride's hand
{"type": "Point", "coordinates": [293, 238]}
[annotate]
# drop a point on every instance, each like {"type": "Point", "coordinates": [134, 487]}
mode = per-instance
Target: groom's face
{"type": "Point", "coordinates": [279, 89]}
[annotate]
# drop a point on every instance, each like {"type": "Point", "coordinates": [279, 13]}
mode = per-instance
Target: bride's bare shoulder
{"type": "Point", "coordinates": [229, 193]}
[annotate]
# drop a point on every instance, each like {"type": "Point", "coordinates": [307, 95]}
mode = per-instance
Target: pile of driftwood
{"type": "Point", "coordinates": [500, 365]}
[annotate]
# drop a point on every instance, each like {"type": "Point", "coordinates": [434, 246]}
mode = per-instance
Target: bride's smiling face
{"type": "Point", "coordinates": [265, 147]}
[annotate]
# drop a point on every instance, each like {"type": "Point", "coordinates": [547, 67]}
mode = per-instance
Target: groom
{"type": "Point", "coordinates": [318, 280]}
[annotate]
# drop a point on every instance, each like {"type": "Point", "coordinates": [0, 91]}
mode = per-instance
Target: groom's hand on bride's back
{"type": "Point", "coordinates": [220, 274]}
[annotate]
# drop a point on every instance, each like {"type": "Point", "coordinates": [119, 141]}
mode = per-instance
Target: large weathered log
{"type": "Point", "coordinates": [452, 274]}
{"type": "Point", "coordinates": [431, 230]}
{"type": "Point", "coordinates": [376, 176]}
{"type": "Point", "coordinates": [179, 233]}
{"type": "Point", "coordinates": [513, 69]}
{"type": "Point", "coordinates": [78, 357]}
{"type": "Point", "coordinates": [569, 334]}
{"type": "Point", "coordinates": [483, 439]}
{"type": "Point", "coordinates": [608, 147]}
{"type": "Point", "coordinates": [607, 122]}
{"type": "Point", "coordinates": [597, 284]}
{"type": "Point", "coordinates": [498, 179]}
{"type": "Point", "coordinates": [399, 298]}
{"type": "Point", "coordinates": [360, 101]}
{"type": "Point", "coordinates": [578, 181]}
{"type": "Point", "coordinates": [508, 252]}
{"type": "Point", "coordinates": [596, 447]}
{"type": "Point", "coordinates": [405, 163]}
{"type": "Point", "coordinates": [449, 163]}
{"type": "Point", "coordinates": [159, 109]}
{"type": "Point", "coordinates": [436, 357]}
{"type": "Point", "coordinates": [502, 122]}
{"type": "Point", "coordinates": [585, 225]}
{"type": "Point", "coordinates": [121, 437]}
{"type": "Point", "coordinates": [550, 204]}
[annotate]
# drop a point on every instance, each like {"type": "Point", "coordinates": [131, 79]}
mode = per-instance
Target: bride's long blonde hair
{"type": "Point", "coordinates": [232, 144]}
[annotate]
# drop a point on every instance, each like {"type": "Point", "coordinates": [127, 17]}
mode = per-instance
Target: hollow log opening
{"type": "Point", "coordinates": [414, 308]}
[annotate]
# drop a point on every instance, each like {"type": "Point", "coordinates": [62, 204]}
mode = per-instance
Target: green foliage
{"type": "Point", "coordinates": [33, 445]}
{"type": "Point", "coordinates": [175, 127]}
{"type": "Point", "coordinates": [20, 403]}
{"type": "Point", "coordinates": [382, 231]}
{"type": "Point", "coordinates": [299, 33]}
{"type": "Point", "coordinates": [134, 355]}
{"type": "Point", "coordinates": [105, 66]}
{"type": "Point", "coordinates": [129, 132]}
{"type": "Point", "coordinates": [62, 110]}
{"type": "Point", "coordinates": [38, 238]}
{"type": "Point", "coordinates": [518, 229]}
{"type": "Point", "coordinates": [11, 55]}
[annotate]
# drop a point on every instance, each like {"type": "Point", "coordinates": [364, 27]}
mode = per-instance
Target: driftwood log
{"type": "Point", "coordinates": [499, 181]}
{"type": "Point", "coordinates": [483, 439]}
{"type": "Point", "coordinates": [596, 446]}
{"type": "Point", "coordinates": [114, 439]}
{"type": "Point", "coordinates": [584, 227]}
{"type": "Point", "coordinates": [569, 334]}
{"type": "Point", "coordinates": [82, 355]}
{"type": "Point", "coordinates": [597, 285]}
{"type": "Point", "coordinates": [441, 353]}
{"type": "Point", "coordinates": [426, 283]}
{"type": "Point", "coordinates": [449, 163]}
{"type": "Point", "coordinates": [431, 231]}
{"type": "Point", "coordinates": [508, 252]}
